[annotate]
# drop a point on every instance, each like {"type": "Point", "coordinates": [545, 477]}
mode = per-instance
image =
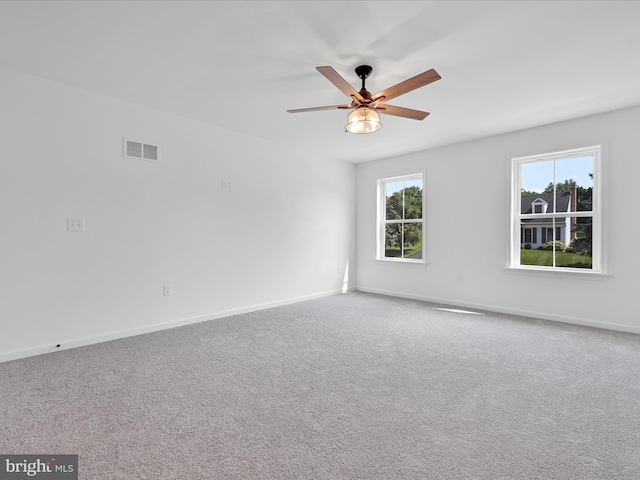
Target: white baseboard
{"type": "Point", "coordinates": [84, 341]}
{"type": "Point", "coordinates": [508, 311]}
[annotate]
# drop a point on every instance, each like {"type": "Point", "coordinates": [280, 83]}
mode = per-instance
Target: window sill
{"type": "Point", "coordinates": [402, 262]}
{"type": "Point", "coordinates": [559, 273]}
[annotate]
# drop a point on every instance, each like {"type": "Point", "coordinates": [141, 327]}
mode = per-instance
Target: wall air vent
{"type": "Point", "coordinates": [140, 150]}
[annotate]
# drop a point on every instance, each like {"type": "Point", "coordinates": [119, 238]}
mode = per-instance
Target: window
{"type": "Point", "coordinates": [556, 222]}
{"type": "Point", "coordinates": [400, 223]}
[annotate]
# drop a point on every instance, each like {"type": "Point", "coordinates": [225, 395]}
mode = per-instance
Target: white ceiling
{"type": "Point", "coordinates": [240, 65]}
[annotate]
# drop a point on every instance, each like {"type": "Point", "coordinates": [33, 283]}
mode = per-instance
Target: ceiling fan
{"type": "Point", "coordinates": [365, 118]}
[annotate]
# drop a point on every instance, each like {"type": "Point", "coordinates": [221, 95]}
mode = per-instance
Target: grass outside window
{"type": "Point", "coordinates": [544, 258]}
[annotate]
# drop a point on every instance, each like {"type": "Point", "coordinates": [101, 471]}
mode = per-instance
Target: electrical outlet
{"type": "Point", "coordinates": [228, 186]}
{"type": "Point", "coordinates": [75, 224]}
{"type": "Point", "coordinates": [168, 290]}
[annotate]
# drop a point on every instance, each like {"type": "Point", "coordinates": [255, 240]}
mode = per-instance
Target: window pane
{"type": "Point", "coordinates": [413, 199]}
{"type": "Point", "coordinates": [394, 202]}
{"type": "Point", "coordinates": [536, 182]}
{"type": "Point", "coordinates": [575, 173]}
{"type": "Point", "coordinates": [536, 177]}
{"type": "Point", "coordinates": [393, 240]}
{"type": "Point", "coordinates": [536, 257]}
{"type": "Point", "coordinates": [581, 236]}
{"type": "Point", "coordinates": [412, 240]}
{"type": "Point", "coordinates": [403, 240]}
{"type": "Point", "coordinates": [539, 254]}
{"type": "Point", "coordinates": [577, 254]}
{"type": "Point", "coordinates": [568, 245]}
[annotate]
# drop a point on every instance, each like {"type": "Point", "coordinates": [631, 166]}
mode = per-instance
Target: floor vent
{"type": "Point", "coordinates": [140, 150]}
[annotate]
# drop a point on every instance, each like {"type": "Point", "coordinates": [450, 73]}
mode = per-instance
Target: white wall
{"type": "Point", "coordinates": [281, 236]}
{"type": "Point", "coordinates": [467, 188]}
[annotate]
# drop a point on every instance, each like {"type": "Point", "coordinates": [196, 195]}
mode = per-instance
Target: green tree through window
{"type": "Point", "coordinates": [402, 217]}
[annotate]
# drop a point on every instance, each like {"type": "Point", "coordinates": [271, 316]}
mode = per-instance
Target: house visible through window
{"type": "Point", "coordinates": [529, 235]}
{"type": "Point", "coordinates": [400, 224]}
{"type": "Point", "coordinates": [556, 219]}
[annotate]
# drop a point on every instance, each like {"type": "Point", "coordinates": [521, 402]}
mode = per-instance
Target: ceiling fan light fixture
{"type": "Point", "coordinates": [363, 120]}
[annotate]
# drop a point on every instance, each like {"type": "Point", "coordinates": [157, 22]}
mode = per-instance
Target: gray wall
{"type": "Point", "coordinates": [285, 234]}
{"type": "Point", "coordinates": [467, 188]}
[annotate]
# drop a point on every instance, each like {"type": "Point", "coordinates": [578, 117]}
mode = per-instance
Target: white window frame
{"type": "Point", "coordinates": [382, 221]}
{"type": "Point", "coordinates": [595, 213]}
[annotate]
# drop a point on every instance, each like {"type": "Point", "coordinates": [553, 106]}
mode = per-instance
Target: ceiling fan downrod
{"type": "Point", "coordinates": [363, 72]}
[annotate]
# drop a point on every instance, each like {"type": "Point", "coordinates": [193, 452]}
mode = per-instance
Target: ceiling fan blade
{"type": "Point", "coordinates": [401, 112]}
{"type": "Point", "coordinates": [401, 88]}
{"type": "Point", "coordinates": [344, 86]}
{"type": "Point", "coordinates": [315, 109]}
